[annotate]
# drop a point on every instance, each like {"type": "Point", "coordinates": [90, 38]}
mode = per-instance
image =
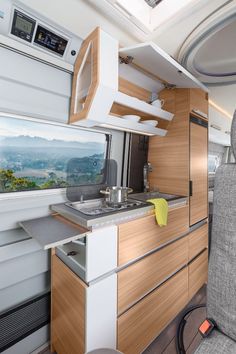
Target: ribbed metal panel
{"type": "Point", "coordinates": [23, 320]}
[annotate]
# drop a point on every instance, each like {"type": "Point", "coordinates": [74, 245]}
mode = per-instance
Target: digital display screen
{"type": "Point", "coordinates": [50, 40]}
{"type": "Point", "coordinates": [23, 25]}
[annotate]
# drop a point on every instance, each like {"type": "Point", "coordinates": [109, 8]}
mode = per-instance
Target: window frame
{"type": "Point", "coordinates": [50, 191]}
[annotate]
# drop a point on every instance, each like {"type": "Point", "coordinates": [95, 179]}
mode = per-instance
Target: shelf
{"type": "Point", "coordinates": [142, 106]}
{"type": "Point", "coordinates": [119, 123]}
{"type": "Point", "coordinates": [153, 60]}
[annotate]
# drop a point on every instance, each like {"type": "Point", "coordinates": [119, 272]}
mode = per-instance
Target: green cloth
{"type": "Point", "coordinates": [161, 210]}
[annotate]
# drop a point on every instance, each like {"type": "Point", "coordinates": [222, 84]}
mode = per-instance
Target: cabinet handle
{"type": "Point", "coordinates": [190, 188]}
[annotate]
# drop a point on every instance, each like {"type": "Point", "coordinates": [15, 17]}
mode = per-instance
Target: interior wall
{"type": "Point", "coordinates": [80, 17]}
{"type": "Point", "coordinates": [35, 90]}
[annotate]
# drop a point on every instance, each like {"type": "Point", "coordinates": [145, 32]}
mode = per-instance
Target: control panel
{"type": "Point", "coordinates": [22, 26]}
{"type": "Point", "coordinates": [50, 40]}
{"type": "Point", "coordinates": [37, 35]}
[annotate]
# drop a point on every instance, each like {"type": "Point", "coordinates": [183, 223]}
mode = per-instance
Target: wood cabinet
{"type": "Point", "coordinates": [169, 155]}
{"type": "Point", "coordinates": [83, 317]}
{"type": "Point", "coordinates": [143, 235]}
{"type": "Point", "coordinates": [68, 310]}
{"type": "Point", "coordinates": [198, 241]}
{"type": "Point", "coordinates": [198, 170]}
{"type": "Point", "coordinates": [95, 79]}
{"type": "Point", "coordinates": [144, 321]}
{"type": "Point", "coordinates": [181, 156]}
{"type": "Point", "coordinates": [198, 273]}
{"type": "Point", "coordinates": [140, 278]}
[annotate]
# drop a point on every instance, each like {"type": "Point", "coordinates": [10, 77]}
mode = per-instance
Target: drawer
{"type": "Point", "coordinates": [90, 259]}
{"type": "Point", "coordinates": [198, 272]}
{"type": "Point", "coordinates": [143, 322]}
{"type": "Point", "coordinates": [140, 236]}
{"type": "Point", "coordinates": [138, 279]}
{"type": "Point", "coordinates": [198, 241]}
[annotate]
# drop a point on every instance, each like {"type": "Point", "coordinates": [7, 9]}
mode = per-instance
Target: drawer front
{"type": "Point", "coordinates": [198, 272]}
{"type": "Point", "coordinates": [144, 321]}
{"type": "Point", "coordinates": [68, 310]}
{"type": "Point", "coordinates": [198, 241]}
{"type": "Point", "coordinates": [143, 235]}
{"type": "Point", "coordinates": [141, 277]}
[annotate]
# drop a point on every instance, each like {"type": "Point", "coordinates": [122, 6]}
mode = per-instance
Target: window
{"type": "Point", "coordinates": [36, 155]}
{"type": "Point", "coordinates": [213, 163]}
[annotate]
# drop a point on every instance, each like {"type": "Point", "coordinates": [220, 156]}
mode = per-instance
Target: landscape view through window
{"type": "Point", "coordinates": [35, 155]}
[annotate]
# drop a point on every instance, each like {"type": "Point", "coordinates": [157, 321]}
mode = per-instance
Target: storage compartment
{"type": "Point", "coordinates": [138, 279]}
{"type": "Point", "coordinates": [68, 310]}
{"type": "Point", "coordinates": [198, 241]}
{"type": "Point", "coordinates": [144, 234]}
{"type": "Point", "coordinates": [73, 254]}
{"type": "Point", "coordinates": [144, 321]}
{"type": "Point", "coordinates": [83, 318]}
{"type": "Point", "coordinates": [89, 257]}
{"type": "Point", "coordinates": [198, 272]}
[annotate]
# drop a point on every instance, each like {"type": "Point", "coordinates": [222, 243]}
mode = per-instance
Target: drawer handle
{"type": "Point", "coordinates": [72, 253]}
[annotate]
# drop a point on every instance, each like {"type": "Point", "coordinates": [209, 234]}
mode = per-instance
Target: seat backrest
{"type": "Point", "coordinates": [221, 290]}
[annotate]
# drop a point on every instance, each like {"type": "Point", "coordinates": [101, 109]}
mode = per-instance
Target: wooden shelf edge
{"type": "Point", "coordinates": [142, 106]}
{"type": "Point", "coordinates": [119, 122]}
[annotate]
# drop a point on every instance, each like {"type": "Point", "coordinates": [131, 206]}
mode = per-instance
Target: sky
{"type": "Point", "coordinates": [16, 127]}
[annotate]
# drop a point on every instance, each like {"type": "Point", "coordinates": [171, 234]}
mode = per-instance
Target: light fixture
{"type": "Point", "coordinates": [214, 126]}
{"type": "Point", "coordinates": [153, 3]}
{"type": "Point", "coordinates": [220, 109]}
{"type": "Point", "coordinates": [110, 126]}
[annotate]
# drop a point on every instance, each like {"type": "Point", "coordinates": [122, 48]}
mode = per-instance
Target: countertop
{"type": "Point", "coordinates": [68, 224]}
{"type": "Point", "coordinates": [112, 218]}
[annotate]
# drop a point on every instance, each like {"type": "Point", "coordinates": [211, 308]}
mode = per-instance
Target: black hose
{"type": "Point", "coordinates": [180, 329]}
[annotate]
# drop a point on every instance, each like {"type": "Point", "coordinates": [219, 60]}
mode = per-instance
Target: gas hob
{"type": "Point", "coordinates": [100, 207]}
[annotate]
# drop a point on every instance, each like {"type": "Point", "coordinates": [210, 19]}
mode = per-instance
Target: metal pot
{"type": "Point", "coordinates": [116, 195]}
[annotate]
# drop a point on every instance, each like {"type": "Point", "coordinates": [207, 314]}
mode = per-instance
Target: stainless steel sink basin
{"type": "Point", "coordinates": [151, 195]}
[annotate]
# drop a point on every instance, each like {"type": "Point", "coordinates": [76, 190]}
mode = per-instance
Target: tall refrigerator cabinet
{"type": "Point", "coordinates": [198, 201]}
{"type": "Point", "coordinates": [179, 159]}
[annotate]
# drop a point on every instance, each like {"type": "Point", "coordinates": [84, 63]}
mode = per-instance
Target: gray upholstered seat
{"type": "Point", "coordinates": [221, 289]}
{"type": "Point", "coordinates": [217, 343]}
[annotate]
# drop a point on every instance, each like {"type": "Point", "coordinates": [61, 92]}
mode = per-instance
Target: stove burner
{"type": "Point", "coordinates": [100, 207]}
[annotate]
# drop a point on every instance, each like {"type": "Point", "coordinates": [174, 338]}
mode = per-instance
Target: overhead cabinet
{"type": "Point", "coordinates": [101, 96]}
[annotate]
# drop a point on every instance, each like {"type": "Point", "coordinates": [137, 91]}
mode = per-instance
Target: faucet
{"type": "Point", "coordinates": [146, 169]}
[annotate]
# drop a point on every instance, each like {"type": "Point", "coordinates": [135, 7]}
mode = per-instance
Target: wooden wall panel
{"type": "Point", "coordinates": [140, 236]}
{"type": "Point", "coordinates": [138, 279]}
{"type": "Point", "coordinates": [169, 155]}
{"type": "Point", "coordinates": [68, 310]}
{"type": "Point", "coordinates": [198, 173]}
{"type": "Point", "coordinates": [143, 322]}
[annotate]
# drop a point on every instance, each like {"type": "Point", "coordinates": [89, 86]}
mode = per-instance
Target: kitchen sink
{"type": "Point", "coordinates": [99, 206]}
{"type": "Point", "coordinates": [151, 195]}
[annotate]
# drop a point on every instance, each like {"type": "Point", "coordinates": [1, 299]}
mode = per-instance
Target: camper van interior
{"type": "Point", "coordinates": [117, 177]}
